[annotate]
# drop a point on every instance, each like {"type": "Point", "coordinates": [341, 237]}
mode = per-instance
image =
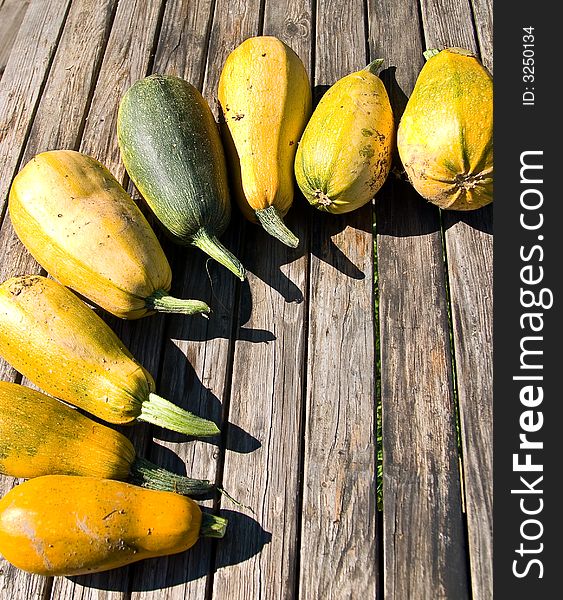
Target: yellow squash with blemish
{"type": "Point", "coordinates": [83, 228]}
{"type": "Point", "coordinates": [344, 155]}
{"type": "Point", "coordinates": [39, 435]}
{"type": "Point", "coordinates": [49, 335]}
{"type": "Point", "coordinates": [445, 137]}
{"type": "Point", "coordinates": [67, 525]}
{"type": "Point", "coordinates": [265, 99]}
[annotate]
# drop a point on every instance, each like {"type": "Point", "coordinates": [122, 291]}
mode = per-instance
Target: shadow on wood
{"type": "Point", "coordinates": [238, 439]}
{"type": "Point", "coordinates": [480, 219]}
{"type": "Point", "coordinates": [198, 276]}
{"type": "Point", "coordinates": [397, 96]}
{"type": "Point", "coordinates": [201, 332]}
{"type": "Point", "coordinates": [197, 397]}
{"type": "Point", "coordinates": [316, 231]}
{"type": "Point", "coordinates": [401, 212]}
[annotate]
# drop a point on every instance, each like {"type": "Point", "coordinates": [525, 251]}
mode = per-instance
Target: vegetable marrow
{"type": "Point", "coordinates": [41, 436]}
{"type": "Point", "coordinates": [49, 335]}
{"type": "Point", "coordinates": [265, 98]}
{"type": "Point", "coordinates": [84, 229]}
{"type": "Point", "coordinates": [172, 151]}
{"type": "Point", "coordinates": [344, 155]}
{"type": "Point", "coordinates": [445, 137]}
{"type": "Point", "coordinates": [66, 525]}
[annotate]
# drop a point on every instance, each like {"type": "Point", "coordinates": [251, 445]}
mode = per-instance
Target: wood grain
{"type": "Point", "coordinates": [338, 534]}
{"type": "Point", "coordinates": [21, 84]}
{"type": "Point", "coordinates": [267, 387]}
{"type": "Point", "coordinates": [184, 37]}
{"type": "Point", "coordinates": [424, 541]}
{"type": "Point", "coordinates": [483, 18]}
{"type": "Point", "coordinates": [11, 16]}
{"type": "Point", "coordinates": [469, 249]}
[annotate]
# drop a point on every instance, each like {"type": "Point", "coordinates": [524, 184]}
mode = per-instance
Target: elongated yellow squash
{"type": "Point", "coordinates": [49, 335]}
{"type": "Point", "coordinates": [345, 153]}
{"type": "Point", "coordinates": [86, 231]}
{"type": "Point", "coordinates": [265, 99]}
{"type": "Point", "coordinates": [445, 137]}
{"type": "Point", "coordinates": [66, 525]}
{"type": "Point", "coordinates": [39, 435]}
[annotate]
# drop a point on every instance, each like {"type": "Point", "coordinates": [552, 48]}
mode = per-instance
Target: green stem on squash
{"type": "Point", "coordinates": [163, 413]}
{"type": "Point", "coordinates": [162, 301]}
{"type": "Point", "coordinates": [212, 526]}
{"type": "Point", "coordinates": [428, 54]}
{"type": "Point", "coordinates": [272, 222]}
{"type": "Point", "coordinates": [374, 66]}
{"type": "Point", "coordinates": [146, 474]}
{"type": "Point", "coordinates": [213, 247]}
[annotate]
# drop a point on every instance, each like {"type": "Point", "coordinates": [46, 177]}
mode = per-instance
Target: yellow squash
{"type": "Point", "coordinates": [49, 335]}
{"type": "Point", "coordinates": [41, 436]}
{"type": "Point", "coordinates": [66, 525]}
{"type": "Point", "coordinates": [345, 153]}
{"type": "Point", "coordinates": [86, 231]}
{"type": "Point", "coordinates": [445, 137]}
{"type": "Point", "coordinates": [265, 99]}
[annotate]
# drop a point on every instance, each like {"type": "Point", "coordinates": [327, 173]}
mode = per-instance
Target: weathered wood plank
{"type": "Point", "coordinates": [11, 15]}
{"type": "Point", "coordinates": [483, 17]}
{"type": "Point", "coordinates": [57, 124]}
{"type": "Point", "coordinates": [469, 248]}
{"type": "Point", "coordinates": [424, 543]}
{"type": "Point", "coordinates": [196, 352]}
{"type": "Point", "coordinates": [20, 86]}
{"type": "Point", "coordinates": [447, 23]}
{"type": "Point", "coordinates": [267, 388]}
{"type": "Point", "coordinates": [184, 36]}
{"type": "Point", "coordinates": [126, 59]}
{"type": "Point", "coordinates": [234, 21]}
{"type": "Point", "coordinates": [338, 544]}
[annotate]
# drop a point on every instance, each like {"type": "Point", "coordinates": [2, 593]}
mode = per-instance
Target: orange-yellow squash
{"type": "Point", "coordinates": [265, 99]}
{"type": "Point", "coordinates": [83, 228]}
{"type": "Point", "coordinates": [445, 137]}
{"type": "Point", "coordinates": [60, 344]}
{"type": "Point", "coordinates": [41, 436]}
{"type": "Point", "coordinates": [345, 153]}
{"type": "Point", "coordinates": [67, 525]}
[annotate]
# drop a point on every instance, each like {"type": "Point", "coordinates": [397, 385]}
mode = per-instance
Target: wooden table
{"type": "Point", "coordinates": [388, 306]}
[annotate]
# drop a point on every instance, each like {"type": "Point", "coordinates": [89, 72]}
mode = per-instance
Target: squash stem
{"type": "Point", "coordinates": [212, 526]}
{"type": "Point", "coordinates": [161, 301]}
{"type": "Point", "coordinates": [162, 412]}
{"type": "Point", "coordinates": [374, 66]}
{"type": "Point", "coordinates": [147, 474]}
{"type": "Point", "coordinates": [272, 222]}
{"type": "Point", "coordinates": [212, 246]}
{"type": "Point", "coordinates": [428, 54]}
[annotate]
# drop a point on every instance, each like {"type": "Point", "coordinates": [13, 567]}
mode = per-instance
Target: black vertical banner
{"type": "Point", "coordinates": [528, 303]}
